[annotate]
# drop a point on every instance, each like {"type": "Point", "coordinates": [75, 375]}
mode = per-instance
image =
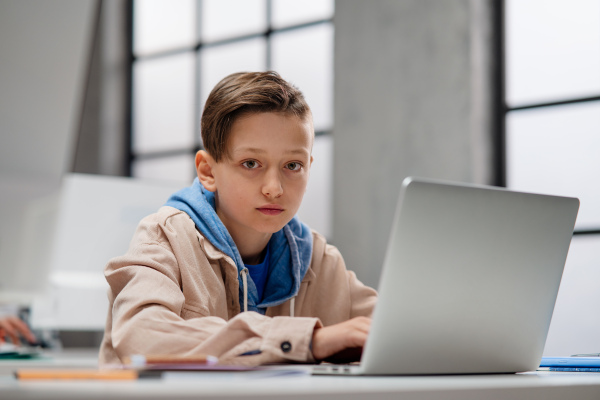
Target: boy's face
{"type": "Point", "coordinates": [261, 181]}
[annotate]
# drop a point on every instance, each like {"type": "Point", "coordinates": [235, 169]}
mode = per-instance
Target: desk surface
{"type": "Point", "coordinates": [233, 385]}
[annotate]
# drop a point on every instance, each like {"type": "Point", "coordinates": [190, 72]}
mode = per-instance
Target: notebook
{"type": "Point", "coordinates": [469, 281]}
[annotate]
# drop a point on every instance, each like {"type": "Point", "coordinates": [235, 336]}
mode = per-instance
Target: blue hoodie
{"type": "Point", "coordinates": [290, 249]}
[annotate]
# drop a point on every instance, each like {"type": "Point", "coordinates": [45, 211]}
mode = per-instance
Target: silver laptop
{"type": "Point", "coordinates": [469, 281]}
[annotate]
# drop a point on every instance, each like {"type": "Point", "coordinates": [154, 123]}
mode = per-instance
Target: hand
{"type": "Point", "coordinates": [13, 327]}
{"type": "Point", "coordinates": [330, 340]}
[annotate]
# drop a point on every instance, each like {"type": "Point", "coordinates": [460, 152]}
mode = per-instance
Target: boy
{"type": "Point", "coordinates": [225, 268]}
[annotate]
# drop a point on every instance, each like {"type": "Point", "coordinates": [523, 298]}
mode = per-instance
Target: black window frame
{"type": "Point", "coordinates": [267, 33]}
{"type": "Point", "coordinates": [504, 109]}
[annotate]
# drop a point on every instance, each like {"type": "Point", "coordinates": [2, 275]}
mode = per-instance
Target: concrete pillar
{"type": "Point", "coordinates": [413, 97]}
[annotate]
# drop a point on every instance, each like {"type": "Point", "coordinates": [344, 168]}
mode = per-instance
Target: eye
{"type": "Point", "coordinates": [293, 166]}
{"type": "Point", "coordinates": [250, 164]}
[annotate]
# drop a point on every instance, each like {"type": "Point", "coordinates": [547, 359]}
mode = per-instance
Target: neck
{"type": "Point", "coordinates": [251, 249]}
{"type": "Point", "coordinates": [249, 243]}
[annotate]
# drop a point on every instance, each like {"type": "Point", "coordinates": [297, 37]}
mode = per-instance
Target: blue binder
{"type": "Point", "coordinates": [571, 364]}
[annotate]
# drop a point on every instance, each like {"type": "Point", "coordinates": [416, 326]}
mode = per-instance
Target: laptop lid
{"type": "Point", "coordinates": [469, 281]}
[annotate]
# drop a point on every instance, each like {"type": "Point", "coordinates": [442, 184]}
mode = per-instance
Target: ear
{"type": "Point", "coordinates": [204, 169]}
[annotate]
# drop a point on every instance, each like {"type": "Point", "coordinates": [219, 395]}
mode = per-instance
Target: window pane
{"type": "Point", "coordinates": [163, 24]}
{"type": "Point", "coordinates": [177, 169]}
{"type": "Point", "coordinates": [222, 19]}
{"type": "Point", "coordinates": [555, 150]}
{"type": "Point", "coordinates": [291, 12]}
{"type": "Point", "coordinates": [552, 50]}
{"type": "Point", "coordinates": [163, 102]}
{"type": "Point", "coordinates": [219, 61]}
{"type": "Point", "coordinates": [315, 210]}
{"type": "Point", "coordinates": [305, 58]}
{"type": "Point", "coordinates": [575, 326]}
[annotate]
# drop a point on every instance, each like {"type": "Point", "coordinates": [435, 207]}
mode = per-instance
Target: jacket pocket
{"type": "Point", "coordinates": [194, 311]}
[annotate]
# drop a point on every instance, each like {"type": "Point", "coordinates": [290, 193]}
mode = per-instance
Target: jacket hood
{"type": "Point", "coordinates": [290, 249]}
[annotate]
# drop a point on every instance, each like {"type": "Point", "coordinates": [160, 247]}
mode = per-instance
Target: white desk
{"type": "Point", "coordinates": [223, 386]}
{"type": "Point", "coordinates": [72, 358]}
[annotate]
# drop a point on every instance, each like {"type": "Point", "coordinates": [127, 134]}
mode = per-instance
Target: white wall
{"type": "Point", "coordinates": [44, 47]}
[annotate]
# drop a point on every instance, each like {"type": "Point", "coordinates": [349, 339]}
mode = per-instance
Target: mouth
{"type": "Point", "coordinates": [271, 209]}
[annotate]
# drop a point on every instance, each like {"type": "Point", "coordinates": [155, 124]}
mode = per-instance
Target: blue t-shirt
{"type": "Point", "coordinates": [258, 273]}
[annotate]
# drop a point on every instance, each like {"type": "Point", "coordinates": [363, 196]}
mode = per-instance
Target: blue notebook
{"type": "Point", "coordinates": [571, 364]}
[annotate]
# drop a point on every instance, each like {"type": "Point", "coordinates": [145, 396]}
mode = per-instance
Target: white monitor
{"type": "Point", "coordinates": [97, 217]}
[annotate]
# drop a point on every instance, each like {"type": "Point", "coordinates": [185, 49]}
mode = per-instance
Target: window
{"type": "Point", "coordinates": [553, 136]}
{"type": "Point", "coordinates": [181, 49]}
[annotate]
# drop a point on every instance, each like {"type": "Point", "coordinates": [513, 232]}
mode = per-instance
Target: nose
{"type": "Point", "coordinates": [272, 187]}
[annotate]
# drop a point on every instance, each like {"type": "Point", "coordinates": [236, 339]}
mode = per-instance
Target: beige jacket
{"type": "Point", "coordinates": [173, 292]}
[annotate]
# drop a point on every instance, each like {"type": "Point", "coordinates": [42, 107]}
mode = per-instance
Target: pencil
{"type": "Point", "coordinates": [139, 360]}
{"type": "Point", "coordinates": [176, 359]}
{"type": "Point", "coordinates": [74, 374]}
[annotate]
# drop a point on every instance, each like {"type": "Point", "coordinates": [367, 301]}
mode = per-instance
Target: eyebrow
{"type": "Point", "coordinates": [261, 151]}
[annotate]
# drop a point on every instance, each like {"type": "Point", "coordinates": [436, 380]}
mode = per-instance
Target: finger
{"type": "Point", "coordinates": [22, 328]}
{"type": "Point", "coordinates": [364, 325]}
{"type": "Point", "coordinates": [11, 332]}
{"type": "Point", "coordinates": [356, 339]}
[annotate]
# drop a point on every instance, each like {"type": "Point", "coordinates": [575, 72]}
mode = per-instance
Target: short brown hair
{"type": "Point", "coordinates": [244, 93]}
